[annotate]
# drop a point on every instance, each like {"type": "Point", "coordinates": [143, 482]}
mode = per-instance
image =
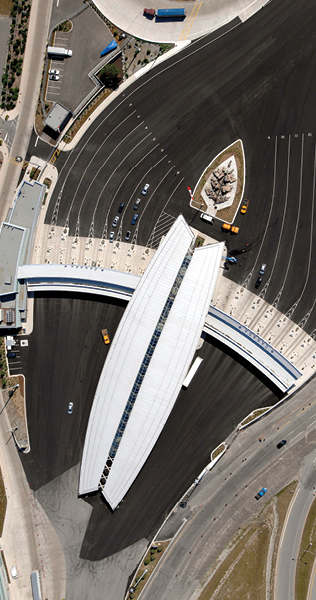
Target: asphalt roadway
{"type": "Point", "coordinates": [225, 499]}
{"type": "Point", "coordinates": [218, 398]}
{"type": "Point", "coordinates": [254, 82]}
{"type": "Point", "coordinates": [290, 542]}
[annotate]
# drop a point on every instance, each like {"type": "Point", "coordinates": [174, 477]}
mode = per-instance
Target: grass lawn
{"type": "Point", "coordinates": [306, 559]}
{"type": "Point", "coordinates": [240, 570]}
{"type": "Point", "coordinates": [3, 503]}
{"type": "Point", "coordinates": [5, 7]}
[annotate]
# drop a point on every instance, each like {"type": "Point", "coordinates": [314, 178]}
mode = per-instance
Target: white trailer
{"type": "Point", "coordinates": [55, 51]}
{"type": "Point", "coordinates": [36, 585]}
{"type": "Point", "coordinates": [192, 372]}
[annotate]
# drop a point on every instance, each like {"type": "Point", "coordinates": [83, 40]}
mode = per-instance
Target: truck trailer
{"type": "Point", "coordinates": [55, 51]}
{"type": "Point", "coordinates": [165, 13]}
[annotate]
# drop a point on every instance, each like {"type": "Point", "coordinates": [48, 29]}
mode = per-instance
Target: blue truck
{"type": "Point", "coordinates": [261, 493]}
{"type": "Point", "coordinates": [165, 13]}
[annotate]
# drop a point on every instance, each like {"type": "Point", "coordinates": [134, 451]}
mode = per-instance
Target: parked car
{"type": "Point", "coordinates": [53, 72]}
{"type": "Point", "coordinates": [128, 235]}
{"type": "Point", "coordinates": [135, 217]}
{"type": "Point", "coordinates": [262, 269]}
{"type": "Point", "coordinates": [111, 238]}
{"type": "Point", "coordinates": [54, 77]}
{"type": "Point", "coordinates": [146, 186]}
{"type": "Point", "coordinates": [70, 408]}
{"type": "Point", "coordinates": [11, 354]}
{"type": "Point", "coordinates": [258, 282]}
{"type": "Point", "coordinates": [120, 208]}
{"type": "Point", "coordinates": [280, 444]}
{"type": "Point", "coordinates": [137, 203]}
{"type": "Point", "coordinates": [244, 206]}
{"type": "Point", "coordinates": [14, 572]}
{"type": "Point", "coordinates": [115, 222]}
{"type": "Point", "coordinates": [261, 493]}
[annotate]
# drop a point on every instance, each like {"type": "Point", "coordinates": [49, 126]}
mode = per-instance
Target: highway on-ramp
{"type": "Point", "coordinates": [224, 500]}
{"type": "Point", "coordinates": [288, 553]}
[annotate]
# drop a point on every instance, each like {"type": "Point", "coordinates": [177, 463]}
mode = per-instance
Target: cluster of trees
{"type": "Point", "coordinates": [18, 33]}
{"type": "Point", "coordinates": [109, 76]}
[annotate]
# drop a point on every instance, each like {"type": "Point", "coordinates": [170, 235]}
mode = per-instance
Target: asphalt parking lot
{"type": "Point", "coordinates": [169, 141]}
{"type": "Point", "coordinates": [88, 37]}
{"type": "Point", "coordinates": [222, 393]}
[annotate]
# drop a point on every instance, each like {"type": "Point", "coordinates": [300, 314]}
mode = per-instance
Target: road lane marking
{"type": "Point", "coordinates": [190, 21]}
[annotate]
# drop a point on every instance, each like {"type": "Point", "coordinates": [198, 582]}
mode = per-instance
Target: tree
{"type": "Point", "coordinates": [109, 76]}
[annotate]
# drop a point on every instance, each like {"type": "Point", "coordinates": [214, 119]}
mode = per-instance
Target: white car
{"type": "Point", "coordinates": [53, 72]}
{"type": "Point", "coordinates": [263, 268]}
{"type": "Point", "coordinates": [146, 186]}
{"type": "Point", "coordinates": [14, 573]}
{"type": "Point", "coordinates": [111, 236]}
{"type": "Point", "coordinates": [115, 222]}
{"type": "Point", "coordinates": [70, 408]}
{"type": "Point", "coordinates": [54, 77]}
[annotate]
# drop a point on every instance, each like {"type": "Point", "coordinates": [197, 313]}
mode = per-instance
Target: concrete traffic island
{"type": "Point", "coordinates": [220, 189]}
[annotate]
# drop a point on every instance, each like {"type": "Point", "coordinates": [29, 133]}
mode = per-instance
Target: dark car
{"type": "Point", "coordinates": [128, 235]}
{"type": "Point", "coordinates": [11, 354]}
{"type": "Point", "coordinates": [120, 208]}
{"type": "Point", "coordinates": [135, 217]}
{"type": "Point", "coordinates": [280, 444]}
{"type": "Point", "coordinates": [260, 494]}
{"type": "Point", "coordinates": [258, 282]}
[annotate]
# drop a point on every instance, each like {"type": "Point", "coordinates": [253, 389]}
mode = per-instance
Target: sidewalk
{"type": "Point", "coordinates": [28, 540]}
{"type": "Point", "coordinates": [27, 100]}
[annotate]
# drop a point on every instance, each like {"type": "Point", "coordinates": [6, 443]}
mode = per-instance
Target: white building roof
{"type": "Point", "coordinates": [166, 372]}
{"type": "Point", "coordinates": [272, 363]}
{"type": "Point", "coordinates": [93, 280]}
{"type": "Point", "coordinates": [127, 352]}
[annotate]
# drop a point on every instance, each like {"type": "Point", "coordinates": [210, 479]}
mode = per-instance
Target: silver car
{"type": "Point", "coordinates": [115, 222]}
{"type": "Point", "coordinates": [262, 270]}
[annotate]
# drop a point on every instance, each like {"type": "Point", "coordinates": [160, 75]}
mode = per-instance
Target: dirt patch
{"type": "Point", "coordinates": [5, 7]}
{"type": "Point", "coordinates": [149, 564]}
{"type": "Point", "coordinates": [225, 214]}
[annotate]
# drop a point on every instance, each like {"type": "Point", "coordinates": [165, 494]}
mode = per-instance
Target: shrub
{"type": "Point", "coordinates": [152, 557]}
{"type": "Point", "coordinates": [148, 52]}
{"type": "Point", "coordinates": [152, 551]}
{"type": "Point", "coordinates": [159, 549]}
{"type": "Point", "coordinates": [147, 561]}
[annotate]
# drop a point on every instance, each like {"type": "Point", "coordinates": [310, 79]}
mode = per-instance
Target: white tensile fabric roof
{"type": "Point", "coordinates": [127, 352]}
{"type": "Point", "coordinates": [166, 371]}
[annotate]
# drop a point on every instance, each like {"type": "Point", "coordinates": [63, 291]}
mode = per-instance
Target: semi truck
{"type": "Point", "coordinates": [165, 13]}
{"type": "Point", "coordinates": [55, 51]}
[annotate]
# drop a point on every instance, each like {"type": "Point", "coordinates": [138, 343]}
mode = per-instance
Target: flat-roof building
{"type": "Point", "coordinates": [58, 117]}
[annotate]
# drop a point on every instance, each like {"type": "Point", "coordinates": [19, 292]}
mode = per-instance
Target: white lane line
{"type": "Point", "coordinates": [311, 424]}
{"type": "Point", "coordinates": [36, 142]}
{"type": "Point", "coordinates": [296, 436]}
